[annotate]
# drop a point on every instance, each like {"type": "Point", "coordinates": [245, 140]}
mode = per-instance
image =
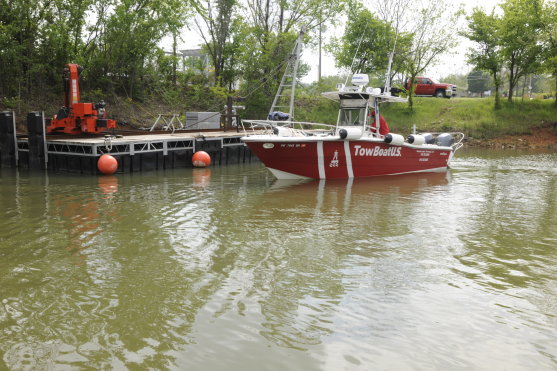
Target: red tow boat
{"type": "Point", "coordinates": [353, 147]}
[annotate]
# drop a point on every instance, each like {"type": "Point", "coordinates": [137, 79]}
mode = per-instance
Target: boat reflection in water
{"type": "Point", "coordinates": [406, 184]}
{"type": "Point", "coordinates": [376, 205]}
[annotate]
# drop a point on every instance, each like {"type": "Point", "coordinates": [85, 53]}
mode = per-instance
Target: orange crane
{"type": "Point", "coordinates": [76, 117]}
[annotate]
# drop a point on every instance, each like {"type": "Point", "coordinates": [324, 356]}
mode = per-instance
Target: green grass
{"type": "Point", "coordinates": [474, 117]}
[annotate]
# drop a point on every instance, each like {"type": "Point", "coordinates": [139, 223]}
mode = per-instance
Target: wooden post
{"type": "Point", "coordinates": [228, 121]}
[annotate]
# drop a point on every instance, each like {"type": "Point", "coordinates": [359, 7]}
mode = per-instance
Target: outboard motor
{"type": "Point", "coordinates": [429, 139]}
{"type": "Point", "coordinates": [444, 140]}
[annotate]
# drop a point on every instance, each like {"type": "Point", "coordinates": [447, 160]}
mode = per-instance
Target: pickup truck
{"type": "Point", "coordinates": [429, 87]}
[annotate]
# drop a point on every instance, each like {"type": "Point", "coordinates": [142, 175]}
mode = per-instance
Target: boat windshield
{"type": "Point", "coordinates": [352, 116]}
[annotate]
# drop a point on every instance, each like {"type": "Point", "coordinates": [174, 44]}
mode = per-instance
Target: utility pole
{"type": "Point", "coordinates": [319, 67]}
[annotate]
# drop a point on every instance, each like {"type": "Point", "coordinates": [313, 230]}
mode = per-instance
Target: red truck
{"type": "Point", "coordinates": [429, 87]}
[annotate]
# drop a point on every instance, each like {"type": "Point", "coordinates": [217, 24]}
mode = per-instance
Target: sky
{"type": "Point", "coordinates": [454, 62]}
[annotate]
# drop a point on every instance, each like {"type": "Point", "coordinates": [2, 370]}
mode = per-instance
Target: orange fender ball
{"type": "Point", "coordinates": [201, 159]}
{"type": "Point", "coordinates": [107, 164]}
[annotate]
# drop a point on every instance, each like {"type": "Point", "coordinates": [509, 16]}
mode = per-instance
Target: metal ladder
{"type": "Point", "coordinates": [288, 80]}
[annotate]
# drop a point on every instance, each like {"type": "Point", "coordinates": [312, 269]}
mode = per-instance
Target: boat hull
{"type": "Point", "coordinates": [335, 159]}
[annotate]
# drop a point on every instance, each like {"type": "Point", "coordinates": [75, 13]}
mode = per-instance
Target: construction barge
{"type": "Point", "coordinates": [81, 133]}
{"type": "Point", "coordinates": [135, 151]}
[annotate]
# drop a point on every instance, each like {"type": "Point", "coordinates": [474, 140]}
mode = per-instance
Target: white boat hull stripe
{"type": "Point", "coordinates": [320, 160]}
{"type": "Point", "coordinates": [349, 169]}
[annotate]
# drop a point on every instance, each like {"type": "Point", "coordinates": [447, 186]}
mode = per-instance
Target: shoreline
{"type": "Point", "coordinates": [544, 137]}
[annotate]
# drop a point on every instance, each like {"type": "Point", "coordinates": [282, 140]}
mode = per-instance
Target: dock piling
{"type": "Point", "coordinates": [8, 139]}
{"type": "Point", "coordinates": [38, 156]}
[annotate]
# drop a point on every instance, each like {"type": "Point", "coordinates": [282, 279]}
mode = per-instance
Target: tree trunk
{"type": "Point", "coordinates": [267, 15]}
{"type": "Point", "coordinates": [511, 85]}
{"type": "Point", "coordinates": [497, 95]}
{"type": "Point", "coordinates": [523, 87]}
{"type": "Point", "coordinates": [555, 74]}
{"type": "Point", "coordinates": [218, 79]}
{"type": "Point", "coordinates": [131, 84]}
{"type": "Point", "coordinates": [281, 18]}
{"type": "Point", "coordinates": [411, 92]}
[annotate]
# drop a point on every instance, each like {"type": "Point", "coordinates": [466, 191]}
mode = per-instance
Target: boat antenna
{"type": "Point", "coordinates": [393, 16]}
{"type": "Point", "coordinates": [355, 54]}
{"type": "Point", "coordinates": [387, 90]}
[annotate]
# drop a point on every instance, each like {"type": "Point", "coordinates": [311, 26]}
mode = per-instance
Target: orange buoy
{"type": "Point", "coordinates": [201, 159]}
{"type": "Point", "coordinates": [107, 164]}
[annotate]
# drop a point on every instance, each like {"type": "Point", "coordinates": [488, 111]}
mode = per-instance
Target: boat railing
{"type": "Point", "coordinates": [459, 141]}
{"type": "Point", "coordinates": [253, 127]}
{"type": "Point", "coordinates": [295, 128]}
{"type": "Point", "coordinates": [301, 128]}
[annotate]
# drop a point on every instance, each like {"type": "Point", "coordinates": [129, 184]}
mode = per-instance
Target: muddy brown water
{"type": "Point", "coordinates": [228, 268]}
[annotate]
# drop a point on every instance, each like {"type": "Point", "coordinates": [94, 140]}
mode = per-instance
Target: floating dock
{"type": "Point", "coordinates": [141, 151]}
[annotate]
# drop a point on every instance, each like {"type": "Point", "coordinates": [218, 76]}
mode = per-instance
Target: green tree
{"type": "Point", "coordinates": [432, 36]}
{"type": "Point", "coordinates": [549, 41]}
{"type": "Point", "coordinates": [267, 37]}
{"type": "Point", "coordinates": [263, 65]}
{"type": "Point", "coordinates": [478, 81]}
{"type": "Point", "coordinates": [483, 30]}
{"type": "Point", "coordinates": [125, 60]}
{"type": "Point", "coordinates": [520, 28]}
{"type": "Point", "coordinates": [368, 40]}
{"type": "Point", "coordinates": [22, 47]}
{"type": "Point", "coordinates": [217, 33]}
{"type": "Point", "coordinates": [116, 42]}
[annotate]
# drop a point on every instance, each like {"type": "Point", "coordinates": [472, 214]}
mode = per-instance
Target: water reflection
{"type": "Point", "coordinates": [146, 271]}
{"type": "Point", "coordinates": [108, 184]}
{"type": "Point", "coordinates": [509, 235]}
{"type": "Point", "coordinates": [201, 177]}
{"type": "Point", "coordinates": [402, 185]}
{"type": "Point", "coordinates": [521, 207]}
{"type": "Point", "coordinates": [305, 234]}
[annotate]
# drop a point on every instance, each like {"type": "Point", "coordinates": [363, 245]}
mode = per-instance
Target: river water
{"type": "Point", "coordinates": [228, 269]}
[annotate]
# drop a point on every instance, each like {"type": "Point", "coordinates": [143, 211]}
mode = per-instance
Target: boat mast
{"type": "Point", "coordinates": [387, 90]}
{"type": "Point", "coordinates": [290, 72]}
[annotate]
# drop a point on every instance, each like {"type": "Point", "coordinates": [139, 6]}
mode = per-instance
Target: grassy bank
{"type": "Point", "coordinates": [473, 116]}
{"type": "Point", "coordinates": [136, 113]}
